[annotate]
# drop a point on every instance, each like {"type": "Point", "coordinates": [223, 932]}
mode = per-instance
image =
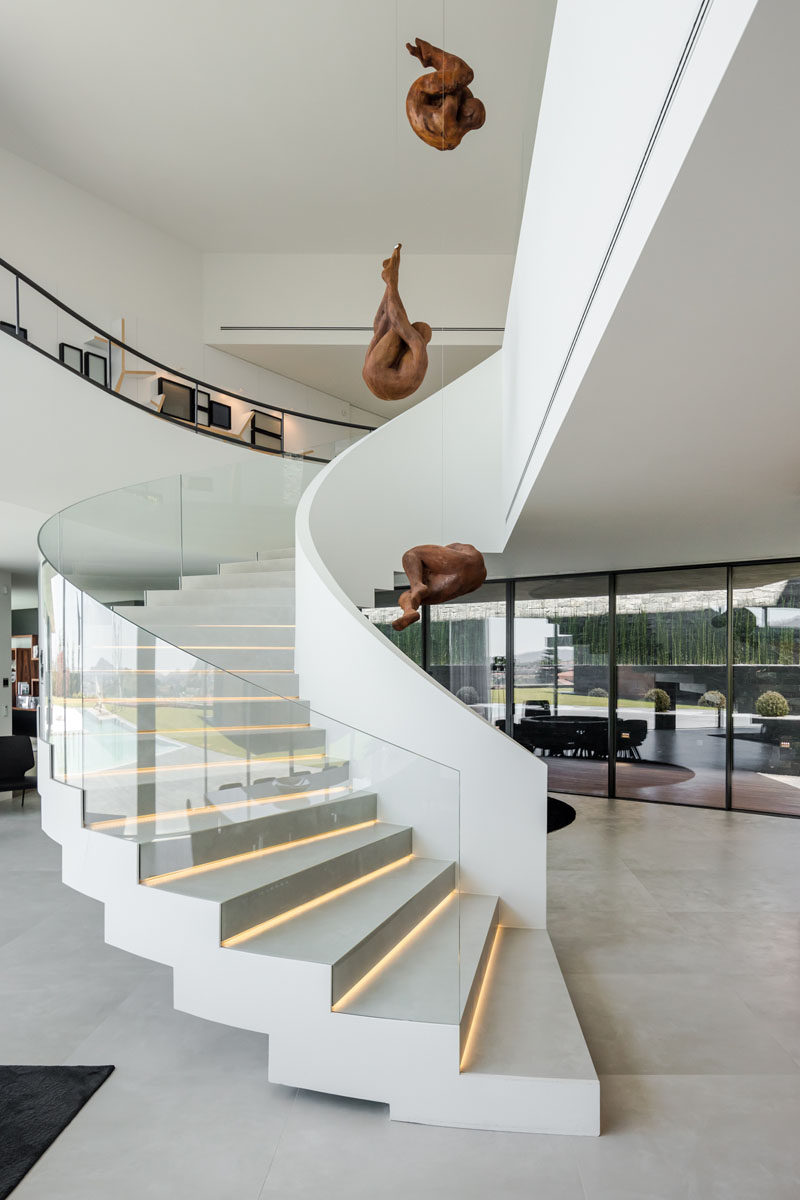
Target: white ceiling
{"type": "Point", "coordinates": [278, 125]}
{"type": "Point", "coordinates": [683, 442]}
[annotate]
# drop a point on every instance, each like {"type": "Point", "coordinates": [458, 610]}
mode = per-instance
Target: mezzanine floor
{"type": "Point", "coordinates": [678, 931]}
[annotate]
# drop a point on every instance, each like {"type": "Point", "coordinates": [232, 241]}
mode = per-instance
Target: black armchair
{"type": "Point", "coordinates": [16, 757]}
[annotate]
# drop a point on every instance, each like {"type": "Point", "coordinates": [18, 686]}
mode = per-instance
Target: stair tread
{"type": "Point", "coordinates": [227, 882]}
{"type": "Point", "coordinates": [199, 822]}
{"type": "Point", "coordinates": [325, 933]}
{"type": "Point", "coordinates": [430, 978]}
{"type": "Point", "coordinates": [526, 1026]}
{"type": "Point", "coordinates": [250, 581]}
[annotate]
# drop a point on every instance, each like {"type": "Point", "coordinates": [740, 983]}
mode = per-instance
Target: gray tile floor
{"type": "Point", "coordinates": [679, 934]}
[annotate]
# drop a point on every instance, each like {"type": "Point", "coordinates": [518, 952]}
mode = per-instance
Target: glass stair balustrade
{"type": "Point", "coordinates": [300, 876]}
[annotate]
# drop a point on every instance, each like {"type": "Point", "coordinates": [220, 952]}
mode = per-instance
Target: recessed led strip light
{"type": "Point", "coordinates": [246, 934]}
{"type": "Point", "coordinates": [490, 967]}
{"type": "Point", "coordinates": [202, 766]}
{"type": "Point", "coordinates": [200, 868]}
{"type": "Point", "coordinates": [396, 950]}
{"type": "Point", "coordinates": [176, 813]}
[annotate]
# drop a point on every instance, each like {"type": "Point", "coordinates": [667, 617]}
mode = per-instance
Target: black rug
{"type": "Point", "coordinates": [36, 1103]}
{"type": "Point", "coordinates": [559, 814]}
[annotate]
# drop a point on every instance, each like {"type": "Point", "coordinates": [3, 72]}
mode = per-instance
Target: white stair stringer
{"type": "Point", "coordinates": [527, 1066]}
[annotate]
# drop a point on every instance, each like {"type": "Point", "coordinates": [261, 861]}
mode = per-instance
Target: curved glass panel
{"type": "Point", "coordinates": [170, 698]}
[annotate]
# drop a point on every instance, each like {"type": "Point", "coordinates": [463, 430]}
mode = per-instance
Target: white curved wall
{"type": "Point", "coordinates": [431, 475]}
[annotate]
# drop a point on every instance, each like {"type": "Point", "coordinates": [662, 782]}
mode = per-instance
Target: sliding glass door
{"type": "Point", "coordinates": [561, 678]}
{"type": "Point", "coordinates": [699, 705]}
{"type": "Point", "coordinates": [671, 635]}
{"type": "Point", "coordinates": [766, 688]}
{"type": "Point", "coordinates": [467, 649]}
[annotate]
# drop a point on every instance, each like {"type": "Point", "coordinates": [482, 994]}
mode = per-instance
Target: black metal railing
{"type": "Point", "coordinates": [173, 395]}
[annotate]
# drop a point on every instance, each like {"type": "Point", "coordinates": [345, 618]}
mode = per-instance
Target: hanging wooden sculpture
{"type": "Point", "coordinates": [397, 357]}
{"type": "Point", "coordinates": [440, 106]}
{"type": "Point", "coordinates": [437, 574]}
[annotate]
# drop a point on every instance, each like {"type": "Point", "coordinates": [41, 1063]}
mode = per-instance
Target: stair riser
{"type": "Point", "coordinates": [274, 682]}
{"type": "Point", "coordinates": [150, 747]}
{"type": "Point", "coordinates": [245, 581]}
{"type": "Point", "coordinates": [131, 796]}
{"type": "Point", "coordinates": [470, 1005]}
{"type": "Point", "coordinates": [250, 659]}
{"type": "Point", "coordinates": [205, 618]}
{"type": "Point", "coordinates": [275, 552]}
{"type": "Point", "coordinates": [275, 829]}
{"type": "Point", "coordinates": [257, 712]}
{"type": "Point", "coordinates": [263, 904]}
{"type": "Point", "coordinates": [347, 972]}
{"type": "Point", "coordinates": [220, 711]}
{"type": "Point", "coordinates": [205, 641]}
{"type": "Point", "coordinates": [265, 599]}
{"type": "Point", "coordinates": [167, 660]}
{"type": "Point", "coordinates": [283, 563]}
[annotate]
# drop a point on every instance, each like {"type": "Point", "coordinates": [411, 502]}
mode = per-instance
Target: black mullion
{"type": "Point", "coordinates": [510, 599]}
{"type": "Point", "coordinates": [729, 698]}
{"type": "Point", "coordinates": [426, 633]}
{"type": "Point", "coordinates": [612, 686]}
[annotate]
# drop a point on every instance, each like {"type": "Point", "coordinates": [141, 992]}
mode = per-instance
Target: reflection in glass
{"type": "Point", "coordinates": [467, 652]}
{"type": "Point", "coordinates": [561, 679]}
{"type": "Point", "coordinates": [671, 685]}
{"type": "Point", "coordinates": [766, 688]}
{"type": "Point", "coordinates": [408, 641]}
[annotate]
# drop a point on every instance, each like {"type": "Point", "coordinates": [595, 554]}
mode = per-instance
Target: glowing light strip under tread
{"type": "Point", "coordinates": [392, 954]}
{"type": "Point", "coordinates": [255, 930]}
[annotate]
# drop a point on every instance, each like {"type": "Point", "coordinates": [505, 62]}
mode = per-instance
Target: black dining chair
{"type": "Point", "coordinates": [16, 757]}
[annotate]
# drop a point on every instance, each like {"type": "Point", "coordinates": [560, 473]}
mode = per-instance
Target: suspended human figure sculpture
{"type": "Point", "coordinates": [437, 574]}
{"type": "Point", "coordinates": [440, 106]}
{"type": "Point", "coordinates": [397, 357]}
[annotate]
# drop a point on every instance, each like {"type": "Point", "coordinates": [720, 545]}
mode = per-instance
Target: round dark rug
{"type": "Point", "coordinates": [559, 814]}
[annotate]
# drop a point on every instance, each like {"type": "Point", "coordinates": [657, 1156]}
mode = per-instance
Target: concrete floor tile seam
{"type": "Point", "coordinates": [262, 1190]}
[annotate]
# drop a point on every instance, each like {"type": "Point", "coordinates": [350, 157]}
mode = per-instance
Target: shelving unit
{"type": "Point", "coordinates": [26, 664]}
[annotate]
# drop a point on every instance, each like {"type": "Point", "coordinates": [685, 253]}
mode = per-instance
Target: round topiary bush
{"type": "Point", "coordinates": [598, 692]}
{"type": "Point", "coordinates": [659, 697]}
{"type": "Point", "coordinates": [712, 699]}
{"type": "Point", "coordinates": [772, 704]}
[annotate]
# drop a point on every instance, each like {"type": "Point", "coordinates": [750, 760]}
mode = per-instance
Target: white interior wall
{"type": "Point", "coordinates": [609, 71]}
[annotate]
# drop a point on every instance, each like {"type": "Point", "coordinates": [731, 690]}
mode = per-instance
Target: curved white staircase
{"type": "Point", "coordinates": [291, 898]}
